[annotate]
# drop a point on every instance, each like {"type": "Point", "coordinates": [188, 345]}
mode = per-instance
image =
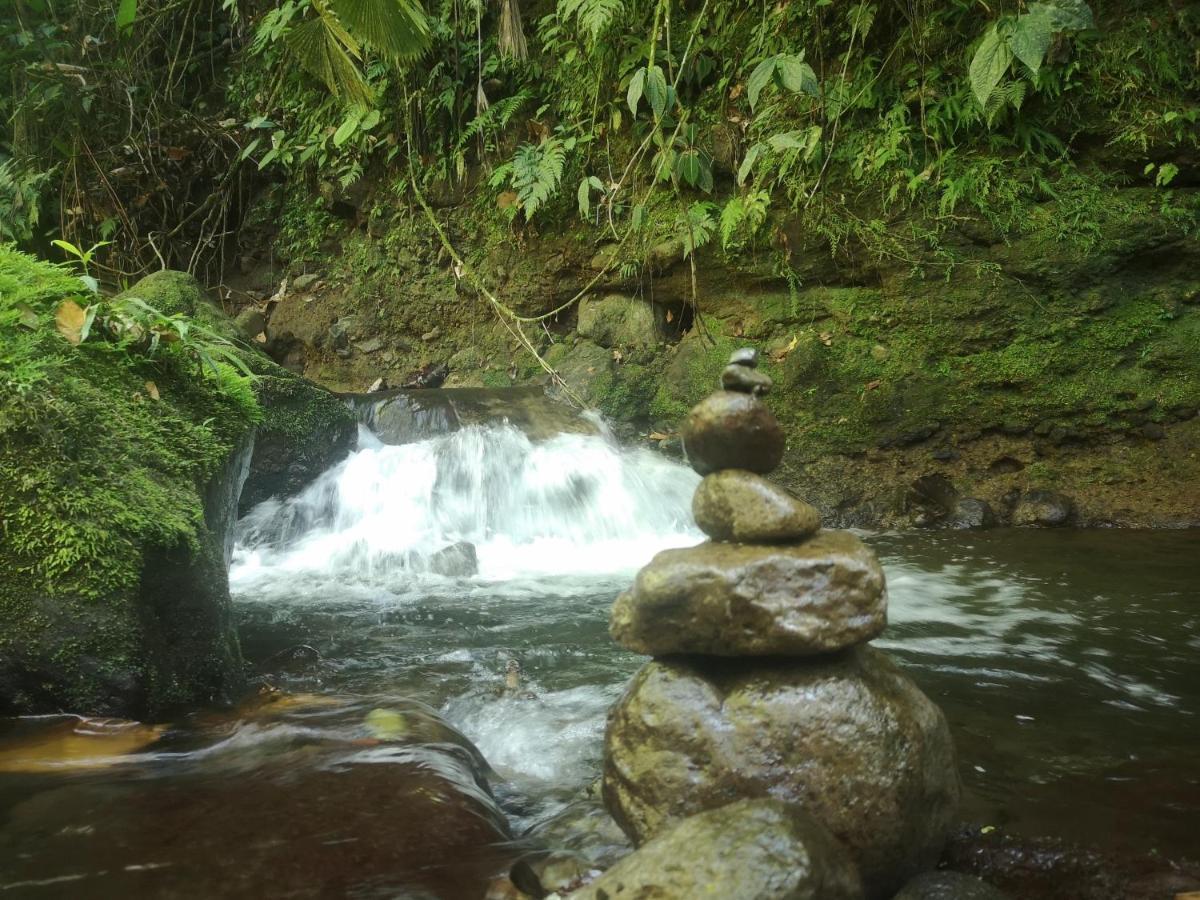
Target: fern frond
{"type": "Point", "coordinates": [594, 17]}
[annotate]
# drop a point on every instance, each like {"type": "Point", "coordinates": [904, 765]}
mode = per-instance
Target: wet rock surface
{"type": "Point", "coordinates": [748, 850]}
{"type": "Point", "coordinates": [733, 505]}
{"type": "Point", "coordinates": [743, 600]}
{"type": "Point", "coordinates": [732, 430]}
{"type": "Point", "coordinates": [455, 561]}
{"type": "Point", "coordinates": [1043, 509]}
{"type": "Point", "coordinates": [949, 886]}
{"type": "Point", "coordinates": [850, 738]}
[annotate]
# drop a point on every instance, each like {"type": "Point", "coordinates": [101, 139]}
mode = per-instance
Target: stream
{"type": "Point", "coordinates": [1067, 663]}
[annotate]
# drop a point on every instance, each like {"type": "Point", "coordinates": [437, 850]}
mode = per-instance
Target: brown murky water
{"type": "Point", "coordinates": [1068, 664]}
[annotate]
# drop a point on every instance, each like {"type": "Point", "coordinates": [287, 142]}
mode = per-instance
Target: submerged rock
{"type": "Point", "coordinates": [741, 600]}
{"type": "Point", "coordinates": [948, 886]}
{"type": "Point", "coordinates": [455, 561]}
{"type": "Point", "coordinates": [850, 738]}
{"type": "Point", "coordinates": [734, 505]}
{"type": "Point", "coordinates": [732, 430]}
{"type": "Point", "coordinates": [748, 850]}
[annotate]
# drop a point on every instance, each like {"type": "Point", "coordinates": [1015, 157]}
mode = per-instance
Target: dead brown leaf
{"type": "Point", "coordinates": [670, 317]}
{"type": "Point", "coordinates": [826, 338]}
{"type": "Point", "coordinates": [152, 390]}
{"type": "Point", "coordinates": [69, 320]}
{"type": "Point", "coordinates": [872, 385]}
{"type": "Point", "coordinates": [506, 200]}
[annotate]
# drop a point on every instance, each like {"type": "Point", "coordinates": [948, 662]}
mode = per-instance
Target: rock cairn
{"type": "Point", "coordinates": [762, 683]}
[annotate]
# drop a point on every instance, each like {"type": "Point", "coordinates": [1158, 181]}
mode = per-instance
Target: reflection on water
{"type": "Point", "coordinates": [1066, 662]}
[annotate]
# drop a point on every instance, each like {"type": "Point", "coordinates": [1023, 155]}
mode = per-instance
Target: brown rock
{"type": "Point", "coordinates": [749, 850]}
{"type": "Point", "coordinates": [732, 430]}
{"type": "Point", "coordinates": [746, 380]}
{"type": "Point", "coordinates": [848, 738]}
{"type": "Point", "coordinates": [740, 600]}
{"type": "Point", "coordinates": [734, 505]}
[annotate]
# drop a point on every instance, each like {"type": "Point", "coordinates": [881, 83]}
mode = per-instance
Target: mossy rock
{"type": "Point", "coordinates": [120, 474]}
{"type": "Point", "coordinates": [119, 477]}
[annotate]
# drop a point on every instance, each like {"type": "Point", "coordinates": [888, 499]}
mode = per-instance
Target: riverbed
{"type": "Point", "coordinates": [1067, 662]}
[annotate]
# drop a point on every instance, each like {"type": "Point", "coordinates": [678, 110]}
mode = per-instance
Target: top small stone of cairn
{"type": "Point", "coordinates": [733, 429]}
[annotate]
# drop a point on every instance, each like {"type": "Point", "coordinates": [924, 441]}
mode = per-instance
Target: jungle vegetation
{"type": "Point", "coordinates": [150, 124]}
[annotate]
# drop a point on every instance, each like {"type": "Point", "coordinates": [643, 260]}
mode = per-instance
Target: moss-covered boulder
{"type": "Point", "coordinates": [125, 438]}
{"type": "Point", "coordinates": [120, 469]}
{"type": "Point", "coordinates": [304, 429]}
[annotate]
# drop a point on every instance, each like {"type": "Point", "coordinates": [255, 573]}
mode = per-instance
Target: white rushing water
{"type": "Point", "coordinates": [573, 505]}
{"type": "Point", "coordinates": [558, 527]}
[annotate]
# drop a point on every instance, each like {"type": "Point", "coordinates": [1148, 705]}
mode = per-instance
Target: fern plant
{"type": "Point", "coordinates": [534, 174]}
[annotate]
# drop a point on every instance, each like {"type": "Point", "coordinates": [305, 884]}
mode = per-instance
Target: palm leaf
{"type": "Point", "coordinates": [319, 51]}
{"type": "Point", "coordinates": [397, 29]}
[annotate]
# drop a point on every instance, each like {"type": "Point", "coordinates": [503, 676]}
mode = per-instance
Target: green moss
{"type": "Point", "coordinates": [95, 475]}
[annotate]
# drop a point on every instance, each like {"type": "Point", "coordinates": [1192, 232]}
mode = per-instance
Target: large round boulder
{"type": "Point", "coordinates": [748, 850]}
{"type": "Point", "coordinates": [743, 600]}
{"type": "Point", "coordinates": [849, 738]}
{"type": "Point", "coordinates": [732, 430]}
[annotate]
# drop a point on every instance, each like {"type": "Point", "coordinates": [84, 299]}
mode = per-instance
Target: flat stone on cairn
{"type": "Point", "coordinates": [762, 685]}
{"type": "Point", "coordinates": [733, 505]}
{"type": "Point", "coordinates": [742, 600]}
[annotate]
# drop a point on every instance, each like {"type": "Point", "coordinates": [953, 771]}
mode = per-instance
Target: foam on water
{"type": "Point", "coordinates": [575, 505]}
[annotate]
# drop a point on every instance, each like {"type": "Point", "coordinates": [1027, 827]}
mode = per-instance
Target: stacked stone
{"type": "Point", "coordinates": [763, 684]}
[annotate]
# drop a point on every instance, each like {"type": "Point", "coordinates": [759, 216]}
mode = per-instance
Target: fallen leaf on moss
{"type": "Point", "coordinates": [826, 338]}
{"type": "Point", "coordinates": [152, 390]}
{"type": "Point", "coordinates": [29, 318]}
{"type": "Point", "coordinates": [872, 385]}
{"type": "Point", "coordinates": [70, 320]}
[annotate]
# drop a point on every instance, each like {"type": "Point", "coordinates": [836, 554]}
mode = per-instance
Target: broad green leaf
{"type": "Point", "coordinates": [370, 120]}
{"type": "Point", "coordinates": [636, 86]}
{"type": "Point", "coordinates": [346, 129]}
{"type": "Point", "coordinates": [584, 196]}
{"type": "Point", "coordinates": [796, 75]}
{"type": "Point", "coordinates": [656, 90]}
{"type": "Point", "coordinates": [759, 79]}
{"type": "Point", "coordinates": [1065, 15]}
{"type": "Point", "coordinates": [126, 14]}
{"type": "Point", "coordinates": [688, 167]}
{"type": "Point", "coordinates": [1031, 39]}
{"type": "Point", "coordinates": [991, 61]}
{"type": "Point", "coordinates": [748, 163]}
{"type": "Point", "coordinates": [789, 140]}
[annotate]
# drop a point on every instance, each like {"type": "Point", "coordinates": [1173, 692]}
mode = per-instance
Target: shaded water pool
{"type": "Point", "coordinates": [1068, 664]}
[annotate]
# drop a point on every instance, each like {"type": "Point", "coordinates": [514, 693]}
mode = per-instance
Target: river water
{"type": "Point", "coordinates": [1068, 664]}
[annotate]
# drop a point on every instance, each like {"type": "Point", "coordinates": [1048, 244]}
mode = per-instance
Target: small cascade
{"type": "Point", "coordinates": [569, 505]}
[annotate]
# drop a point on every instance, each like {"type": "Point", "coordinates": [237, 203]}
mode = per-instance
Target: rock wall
{"type": "Point", "coordinates": [1057, 359]}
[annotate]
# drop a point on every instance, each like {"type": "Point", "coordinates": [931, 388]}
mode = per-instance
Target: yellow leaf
{"type": "Point", "coordinates": [670, 317]}
{"type": "Point", "coordinates": [152, 390]}
{"type": "Point", "coordinates": [69, 319]}
{"type": "Point", "coordinates": [78, 744]}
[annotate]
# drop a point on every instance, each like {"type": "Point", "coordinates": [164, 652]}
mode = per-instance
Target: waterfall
{"type": "Point", "coordinates": [572, 505]}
